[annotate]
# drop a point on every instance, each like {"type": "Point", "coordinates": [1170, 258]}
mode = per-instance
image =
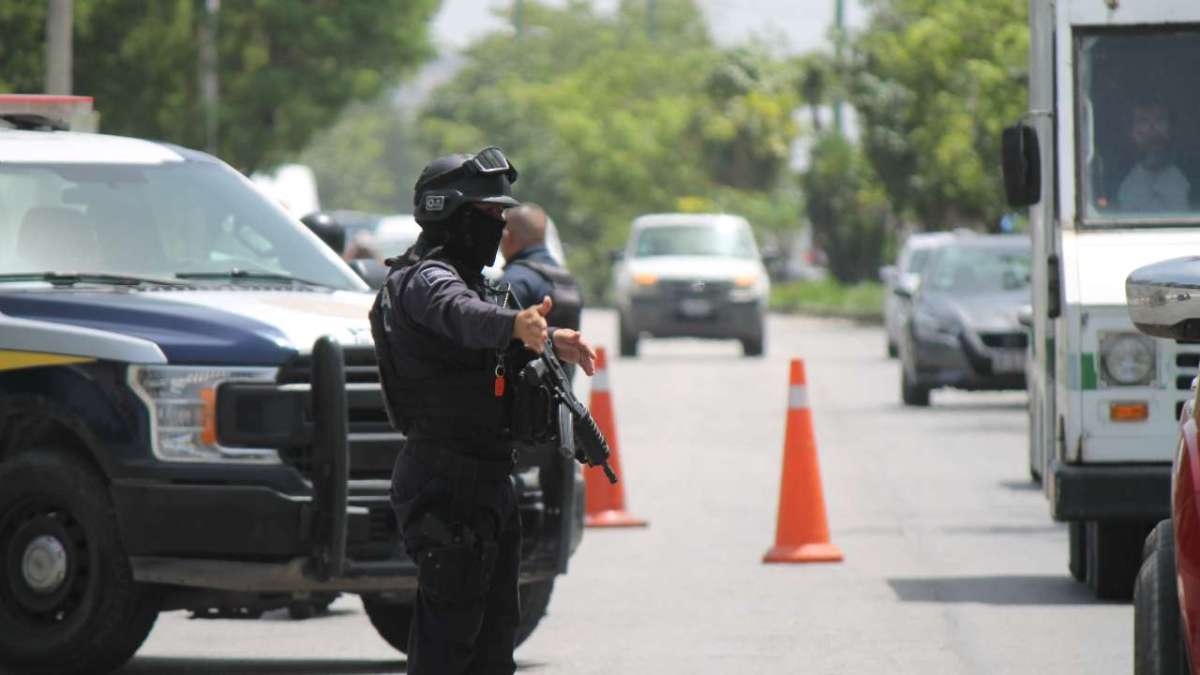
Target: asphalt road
{"type": "Point", "coordinates": [952, 563]}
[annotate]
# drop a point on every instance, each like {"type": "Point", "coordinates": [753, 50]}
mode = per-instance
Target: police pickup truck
{"type": "Point", "coordinates": [190, 415]}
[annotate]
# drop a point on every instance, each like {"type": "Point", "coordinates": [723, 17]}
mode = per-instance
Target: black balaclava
{"type": "Point", "coordinates": [473, 237]}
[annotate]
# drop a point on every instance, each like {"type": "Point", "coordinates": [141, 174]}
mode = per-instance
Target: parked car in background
{"type": "Point", "coordinates": [910, 262]}
{"type": "Point", "coordinates": [691, 275]}
{"type": "Point", "coordinates": [964, 329]}
{"type": "Point", "coordinates": [1164, 301]}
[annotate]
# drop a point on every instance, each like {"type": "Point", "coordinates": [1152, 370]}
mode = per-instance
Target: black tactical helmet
{"type": "Point", "coordinates": [328, 229]}
{"type": "Point", "coordinates": [450, 182]}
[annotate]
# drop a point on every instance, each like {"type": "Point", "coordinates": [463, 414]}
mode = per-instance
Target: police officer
{"type": "Point", "coordinates": [449, 351]}
{"type": "Point", "coordinates": [531, 273]}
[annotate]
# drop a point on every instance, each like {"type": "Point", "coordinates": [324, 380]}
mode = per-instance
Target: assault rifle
{"type": "Point", "coordinates": [578, 435]}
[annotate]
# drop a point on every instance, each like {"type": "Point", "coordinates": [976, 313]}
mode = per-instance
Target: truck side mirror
{"type": "Point", "coordinates": [1022, 162]}
{"type": "Point", "coordinates": [1164, 298]}
{"type": "Point", "coordinates": [616, 256]}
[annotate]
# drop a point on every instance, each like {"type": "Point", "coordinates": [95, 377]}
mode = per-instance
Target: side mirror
{"type": "Point", "coordinates": [907, 286]}
{"type": "Point", "coordinates": [887, 274]}
{"type": "Point", "coordinates": [1025, 316]}
{"type": "Point", "coordinates": [771, 255]}
{"type": "Point", "coordinates": [1164, 298]}
{"type": "Point", "coordinates": [616, 256]}
{"type": "Point", "coordinates": [1022, 162]}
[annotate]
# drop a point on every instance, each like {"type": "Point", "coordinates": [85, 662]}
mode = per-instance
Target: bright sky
{"type": "Point", "coordinates": [802, 24]}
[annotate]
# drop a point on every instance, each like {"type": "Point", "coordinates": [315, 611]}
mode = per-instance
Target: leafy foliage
{"type": "Point", "coordinates": [934, 82]}
{"type": "Point", "coordinates": [286, 68]}
{"type": "Point", "coordinates": [847, 207]}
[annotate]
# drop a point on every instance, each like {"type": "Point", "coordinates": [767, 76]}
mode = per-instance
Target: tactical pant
{"type": "Point", "coordinates": [467, 548]}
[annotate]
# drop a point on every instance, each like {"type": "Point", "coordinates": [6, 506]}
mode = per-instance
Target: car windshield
{"type": "Point", "coordinates": [979, 269]}
{"type": "Point", "coordinates": [193, 219]}
{"type": "Point", "coordinates": [725, 240]}
{"type": "Point", "coordinates": [917, 260]}
{"type": "Point", "coordinates": [1139, 149]}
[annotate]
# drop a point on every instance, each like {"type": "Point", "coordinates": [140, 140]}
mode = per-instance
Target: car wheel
{"type": "Point", "coordinates": [628, 338]}
{"type": "Point", "coordinates": [393, 620]}
{"type": "Point", "coordinates": [1157, 640]}
{"type": "Point", "coordinates": [68, 601]}
{"type": "Point", "coordinates": [893, 351]}
{"type": "Point", "coordinates": [911, 393]}
{"type": "Point", "coordinates": [1114, 555]}
{"type": "Point", "coordinates": [753, 346]}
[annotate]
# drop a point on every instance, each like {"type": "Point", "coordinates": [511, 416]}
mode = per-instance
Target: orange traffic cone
{"type": "Point", "coordinates": [801, 533]}
{"type": "Point", "coordinates": [606, 501]}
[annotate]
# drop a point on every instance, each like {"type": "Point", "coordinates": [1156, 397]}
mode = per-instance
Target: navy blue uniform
{"type": "Point", "coordinates": [526, 284]}
{"type": "Point", "coordinates": [452, 492]}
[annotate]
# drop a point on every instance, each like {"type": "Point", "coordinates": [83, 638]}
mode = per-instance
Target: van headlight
{"type": "Point", "coordinates": [182, 404]}
{"type": "Point", "coordinates": [1127, 359]}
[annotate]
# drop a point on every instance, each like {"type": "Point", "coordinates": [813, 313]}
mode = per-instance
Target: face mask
{"type": "Point", "coordinates": [476, 238]}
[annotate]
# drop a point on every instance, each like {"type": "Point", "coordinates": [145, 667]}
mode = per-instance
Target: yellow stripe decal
{"type": "Point", "coordinates": [14, 360]}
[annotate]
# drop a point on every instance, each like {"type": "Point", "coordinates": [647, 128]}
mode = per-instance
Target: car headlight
{"type": "Point", "coordinates": [932, 324]}
{"type": "Point", "coordinates": [181, 401]}
{"type": "Point", "coordinates": [1127, 359]}
{"type": "Point", "coordinates": [747, 288]}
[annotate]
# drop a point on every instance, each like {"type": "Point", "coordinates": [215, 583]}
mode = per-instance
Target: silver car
{"type": "Point", "coordinates": [691, 275]}
{"type": "Point", "coordinates": [905, 275]}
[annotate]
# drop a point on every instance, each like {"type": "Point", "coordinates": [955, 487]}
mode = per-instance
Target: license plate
{"type": "Point", "coordinates": [1008, 361]}
{"type": "Point", "coordinates": [695, 307]}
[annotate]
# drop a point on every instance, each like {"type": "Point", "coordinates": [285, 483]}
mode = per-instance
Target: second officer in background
{"type": "Point", "coordinates": [449, 350]}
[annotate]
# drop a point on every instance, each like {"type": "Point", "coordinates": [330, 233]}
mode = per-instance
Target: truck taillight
{"type": "Point", "coordinates": [74, 113]}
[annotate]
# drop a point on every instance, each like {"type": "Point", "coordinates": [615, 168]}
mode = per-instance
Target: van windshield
{"type": "Point", "coordinates": [1139, 148]}
{"type": "Point", "coordinates": [725, 240]}
{"type": "Point", "coordinates": [161, 220]}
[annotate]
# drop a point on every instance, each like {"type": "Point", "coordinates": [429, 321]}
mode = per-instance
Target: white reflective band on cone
{"type": "Point", "coordinates": [797, 397]}
{"type": "Point", "coordinates": [600, 380]}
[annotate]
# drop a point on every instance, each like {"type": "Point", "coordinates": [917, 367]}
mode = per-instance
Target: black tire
{"type": "Point", "coordinates": [892, 350]}
{"type": "Point", "coordinates": [753, 346]}
{"type": "Point", "coordinates": [96, 617]}
{"type": "Point", "coordinates": [1114, 556]}
{"type": "Point", "coordinates": [299, 611]}
{"type": "Point", "coordinates": [1077, 550]}
{"type": "Point", "coordinates": [535, 600]}
{"type": "Point", "coordinates": [628, 338]}
{"type": "Point", "coordinates": [911, 393]}
{"type": "Point", "coordinates": [1157, 640]}
{"type": "Point", "coordinates": [394, 620]}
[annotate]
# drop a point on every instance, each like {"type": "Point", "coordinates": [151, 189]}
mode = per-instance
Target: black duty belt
{"type": "Point", "coordinates": [445, 460]}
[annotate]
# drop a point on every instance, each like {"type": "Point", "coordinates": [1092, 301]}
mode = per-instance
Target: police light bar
{"type": "Point", "coordinates": [44, 111]}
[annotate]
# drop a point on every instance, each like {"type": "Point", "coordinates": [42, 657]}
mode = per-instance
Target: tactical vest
{"type": "Point", "coordinates": [568, 301]}
{"type": "Point", "coordinates": [452, 404]}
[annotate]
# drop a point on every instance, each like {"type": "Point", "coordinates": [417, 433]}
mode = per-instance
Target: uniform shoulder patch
{"type": "Point", "coordinates": [432, 274]}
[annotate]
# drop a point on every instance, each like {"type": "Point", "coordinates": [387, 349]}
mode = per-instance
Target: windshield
{"type": "Point", "coordinates": [979, 269]}
{"type": "Point", "coordinates": [1139, 146]}
{"type": "Point", "coordinates": [161, 220]}
{"type": "Point", "coordinates": [726, 240]}
{"type": "Point", "coordinates": [917, 260]}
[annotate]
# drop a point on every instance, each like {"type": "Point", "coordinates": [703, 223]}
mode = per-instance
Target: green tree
{"type": "Point", "coordinates": [286, 68]}
{"type": "Point", "coordinates": [934, 82]}
{"type": "Point", "coordinates": [847, 207]}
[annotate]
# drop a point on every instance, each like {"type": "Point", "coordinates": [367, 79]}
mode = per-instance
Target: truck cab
{"type": "Point", "coordinates": [190, 411]}
{"type": "Point", "coordinates": [1107, 161]}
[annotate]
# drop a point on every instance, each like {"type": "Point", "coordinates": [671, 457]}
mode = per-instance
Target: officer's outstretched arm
{"type": "Point", "coordinates": [438, 299]}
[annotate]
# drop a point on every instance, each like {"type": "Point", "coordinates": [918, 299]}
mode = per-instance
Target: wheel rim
{"type": "Point", "coordinates": [46, 563]}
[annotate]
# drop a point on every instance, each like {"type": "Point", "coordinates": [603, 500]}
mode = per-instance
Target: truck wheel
{"type": "Point", "coordinates": [1114, 555]}
{"type": "Point", "coordinates": [892, 350]}
{"type": "Point", "coordinates": [911, 393]}
{"type": "Point", "coordinates": [1157, 641]}
{"type": "Point", "coordinates": [68, 602]}
{"type": "Point", "coordinates": [628, 338]}
{"type": "Point", "coordinates": [1077, 550]}
{"type": "Point", "coordinates": [535, 599]}
{"type": "Point", "coordinates": [753, 346]}
{"type": "Point", "coordinates": [393, 620]}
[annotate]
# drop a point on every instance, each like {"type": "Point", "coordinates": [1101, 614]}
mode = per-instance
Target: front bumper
{"type": "Point", "coordinates": [964, 361]}
{"type": "Point", "coordinates": [700, 315]}
{"type": "Point", "coordinates": [1110, 491]}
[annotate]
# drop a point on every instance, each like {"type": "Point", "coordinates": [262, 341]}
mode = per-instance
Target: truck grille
{"type": "Point", "coordinates": [373, 442]}
{"type": "Point", "coordinates": [683, 288]}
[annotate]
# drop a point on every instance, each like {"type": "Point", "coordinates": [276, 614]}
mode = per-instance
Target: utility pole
{"type": "Point", "coordinates": [839, 40]}
{"type": "Point", "coordinates": [651, 18]}
{"type": "Point", "coordinates": [519, 18]}
{"type": "Point", "coordinates": [209, 90]}
{"type": "Point", "coordinates": [59, 46]}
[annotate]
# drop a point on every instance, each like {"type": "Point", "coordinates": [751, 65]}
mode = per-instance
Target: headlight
{"type": "Point", "coordinates": [747, 288]}
{"type": "Point", "coordinates": [1127, 359]}
{"type": "Point", "coordinates": [931, 324]}
{"type": "Point", "coordinates": [181, 401]}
